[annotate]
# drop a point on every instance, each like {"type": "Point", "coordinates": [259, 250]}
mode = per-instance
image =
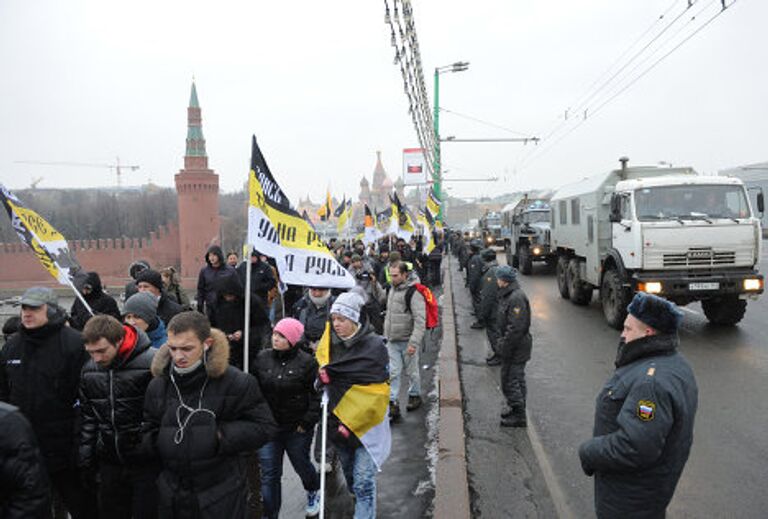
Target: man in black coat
{"type": "Point", "coordinates": [487, 260]}
{"type": "Point", "coordinates": [474, 269]}
{"type": "Point", "coordinates": [210, 279]}
{"type": "Point", "coordinates": [262, 280]}
{"type": "Point", "coordinates": [24, 489]}
{"type": "Point", "coordinates": [40, 373]}
{"type": "Point", "coordinates": [514, 344]}
{"type": "Point", "coordinates": [112, 388]}
{"type": "Point", "coordinates": [151, 281]}
{"type": "Point", "coordinates": [94, 295]}
{"type": "Point", "coordinates": [201, 416]}
{"type": "Point", "coordinates": [489, 289]}
{"type": "Point", "coordinates": [644, 416]}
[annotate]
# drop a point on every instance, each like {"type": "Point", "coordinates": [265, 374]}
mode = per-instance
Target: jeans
{"type": "Point", "coordinates": [296, 445]}
{"type": "Point", "coordinates": [360, 474]}
{"type": "Point", "coordinates": [513, 383]}
{"type": "Point", "coordinates": [399, 360]}
{"type": "Point", "coordinates": [128, 492]}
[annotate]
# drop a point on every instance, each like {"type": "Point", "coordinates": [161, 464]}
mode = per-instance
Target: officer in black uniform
{"type": "Point", "coordinates": [487, 315]}
{"type": "Point", "coordinates": [475, 272]}
{"type": "Point", "coordinates": [644, 418]}
{"type": "Point", "coordinates": [514, 344]}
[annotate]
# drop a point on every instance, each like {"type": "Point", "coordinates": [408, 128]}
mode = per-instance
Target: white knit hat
{"type": "Point", "coordinates": [349, 304]}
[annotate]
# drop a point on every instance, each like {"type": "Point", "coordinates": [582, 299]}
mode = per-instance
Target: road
{"type": "Point", "coordinates": [574, 350]}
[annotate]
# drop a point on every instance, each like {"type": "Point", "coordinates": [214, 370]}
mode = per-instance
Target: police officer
{"type": "Point", "coordinates": [488, 257]}
{"type": "Point", "coordinates": [644, 416]}
{"type": "Point", "coordinates": [487, 315]}
{"type": "Point", "coordinates": [475, 272]}
{"type": "Point", "coordinates": [513, 345]}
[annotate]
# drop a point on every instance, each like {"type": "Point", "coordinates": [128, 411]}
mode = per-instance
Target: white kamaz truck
{"type": "Point", "coordinates": [662, 230]}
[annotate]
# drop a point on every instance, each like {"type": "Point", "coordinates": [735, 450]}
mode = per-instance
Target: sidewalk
{"type": "Point", "coordinates": [405, 484]}
{"type": "Point", "coordinates": [504, 475]}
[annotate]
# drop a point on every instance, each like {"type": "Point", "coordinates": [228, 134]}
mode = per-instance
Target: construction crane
{"type": "Point", "coordinates": [35, 182]}
{"type": "Point", "coordinates": [117, 167]}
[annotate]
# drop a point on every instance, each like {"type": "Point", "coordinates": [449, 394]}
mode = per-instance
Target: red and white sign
{"type": "Point", "coordinates": [414, 166]}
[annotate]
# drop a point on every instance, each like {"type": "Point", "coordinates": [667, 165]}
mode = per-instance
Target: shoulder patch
{"type": "Point", "coordinates": [651, 371]}
{"type": "Point", "coordinates": [646, 410]}
{"type": "Point", "coordinates": [517, 310]}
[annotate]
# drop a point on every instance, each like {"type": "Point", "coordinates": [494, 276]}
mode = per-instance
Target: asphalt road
{"type": "Point", "coordinates": [574, 350]}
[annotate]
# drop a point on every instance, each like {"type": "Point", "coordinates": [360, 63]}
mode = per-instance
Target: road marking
{"type": "Point", "coordinates": [555, 491]}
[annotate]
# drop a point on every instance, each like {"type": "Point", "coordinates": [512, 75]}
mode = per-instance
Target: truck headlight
{"type": "Point", "coordinates": [752, 284]}
{"type": "Point", "coordinates": [536, 251]}
{"type": "Point", "coordinates": [650, 287]}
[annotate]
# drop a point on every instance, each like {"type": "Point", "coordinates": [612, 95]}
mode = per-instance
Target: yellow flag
{"type": "Point", "coordinates": [323, 353]}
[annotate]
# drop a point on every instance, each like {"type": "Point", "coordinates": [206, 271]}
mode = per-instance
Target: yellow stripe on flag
{"type": "Point", "coordinates": [363, 407]}
{"type": "Point", "coordinates": [323, 353]}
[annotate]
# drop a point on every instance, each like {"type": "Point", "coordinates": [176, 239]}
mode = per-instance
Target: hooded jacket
{"type": "Point", "coordinates": [198, 425]}
{"type": "Point", "coordinates": [24, 489]}
{"type": "Point", "coordinates": [209, 280]}
{"type": "Point", "coordinates": [40, 374]}
{"type": "Point", "coordinates": [401, 325]}
{"type": "Point", "coordinates": [112, 403]}
{"type": "Point", "coordinates": [262, 280]}
{"type": "Point", "coordinates": [643, 429]}
{"type": "Point", "coordinates": [99, 302]}
{"type": "Point", "coordinates": [313, 317]}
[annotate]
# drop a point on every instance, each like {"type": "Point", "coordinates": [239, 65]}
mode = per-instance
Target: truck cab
{"type": "Point", "coordinates": [530, 235]}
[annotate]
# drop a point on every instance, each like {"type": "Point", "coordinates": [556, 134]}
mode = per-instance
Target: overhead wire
{"type": "Point", "coordinates": [486, 123]}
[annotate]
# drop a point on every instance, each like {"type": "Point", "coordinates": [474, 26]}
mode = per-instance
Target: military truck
{"type": "Point", "coordinates": [662, 230]}
{"type": "Point", "coordinates": [530, 235]}
{"type": "Point", "coordinates": [490, 228]}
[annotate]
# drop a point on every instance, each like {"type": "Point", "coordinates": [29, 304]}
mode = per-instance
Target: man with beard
{"type": "Point", "coordinates": [40, 373]}
{"type": "Point", "coordinates": [644, 417]}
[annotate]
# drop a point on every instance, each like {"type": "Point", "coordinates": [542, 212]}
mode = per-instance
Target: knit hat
{"type": "Point", "coordinates": [349, 304]}
{"type": "Point", "coordinates": [142, 305]}
{"type": "Point", "coordinates": [150, 276]}
{"type": "Point", "coordinates": [506, 273]}
{"type": "Point", "coordinates": [356, 257]}
{"type": "Point", "coordinates": [291, 329]}
{"type": "Point", "coordinates": [658, 313]}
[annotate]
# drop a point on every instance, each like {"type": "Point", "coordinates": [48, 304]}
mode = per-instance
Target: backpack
{"type": "Point", "coordinates": [433, 312]}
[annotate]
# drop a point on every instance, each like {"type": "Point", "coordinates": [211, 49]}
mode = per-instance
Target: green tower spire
{"type": "Point", "coordinates": [195, 139]}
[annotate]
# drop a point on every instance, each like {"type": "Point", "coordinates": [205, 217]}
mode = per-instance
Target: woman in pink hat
{"type": "Point", "coordinates": [287, 374]}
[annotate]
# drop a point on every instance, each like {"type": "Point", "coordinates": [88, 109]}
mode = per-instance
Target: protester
{"type": "Point", "coordinates": [151, 281]}
{"type": "Point", "coordinates": [39, 373]}
{"type": "Point", "coordinates": [172, 285]}
{"type": "Point", "coordinates": [313, 311]}
{"type": "Point", "coordinates": [209, 279]}
{"type": "Point", "coordinates": [262, 278]}
{"type": "Point", "coordinates": [97, 299]}
{"type": "Point", "coordinates": [201, 416]}
{"type": "Point", "coordinates": [404, 327]}
{"type": "Point", "coordinates": [644, 417]}
{"type": "Point", "coordinates": [357, 359]}
{"type": "Point", "coordinates": [434, 260]}
{"type": "Point", "coordinates": [24, 487]}
{"type": "Point", "coordinates": [141, 311]}
{"type": "Point", "coordinates": [366, 279]}
{"type": "Point", "coordinates": [112, 388]}
{"type": "Point", "coordinates": [232, 259]}
{"type": "Point", "coordinates": [134, 270]}
{"type": "Point", "coordinates": [287, 376]}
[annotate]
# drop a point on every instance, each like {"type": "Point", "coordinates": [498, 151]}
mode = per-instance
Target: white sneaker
{"type": "Point", "coordinates": [313, 504]}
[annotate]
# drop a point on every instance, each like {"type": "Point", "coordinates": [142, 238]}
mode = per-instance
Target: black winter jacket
{"type": "Point", "coordinates": [99, 302]}
{"type": "Point", "coordinates": [112, 403]}
{"type": "Point", "coordinates": [262, 280]}
{"type": "Point", "coordinates": [40, 374]}
{"type": "Point", "coordinates": [643, 429]}
{"type": "Point", "coordinates": [167, 308]}
{"type": "Point", "coordinates": [488, 296]}
{"type": "Point", "coordinates": [24, 487]}
{"type": "Point", "coordinates": [474, 273]}
{"type": "Point", "coordinates": [199, 425]}
{"type": "Point", "coordinates": [210, 280]}
{"type": "Point", "coordinates": [513, 322]}
{"type": "Point", "coordinates": [287, 380]}
{"type": "Point", "coordinates": [312, 317]}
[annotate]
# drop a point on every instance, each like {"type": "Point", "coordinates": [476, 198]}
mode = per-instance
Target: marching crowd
{"type": "Point", "coordinates": [147, 408]}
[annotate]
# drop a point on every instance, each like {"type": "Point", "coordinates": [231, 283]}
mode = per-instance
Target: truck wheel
{"type": "Point", "coordinates": [724, 311]}
{"type": "Point", "coordinates": [561, 271]}
{"type": "Point", "coordinates": [526, 261]}
{"type": "Point", "coordinates": [614, 298]}
{"type": "Point", "coordinates": [581, 293]}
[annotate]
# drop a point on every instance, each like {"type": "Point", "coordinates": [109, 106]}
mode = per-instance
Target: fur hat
{"type": "Point", "coordinates": [658, 313]}
{"type": "Point", "coordinates": [142, 305]}
{"type": "Point", "coordinates": [488, 254]}
{"type": "Point", "coordinates": [349, 304]}
{"type": "Point", "coordinates": [506, 273]}
{"type": "Point", "coordinates": [150, 276]}
{"type": "Point", "coordinates": [291, 329]}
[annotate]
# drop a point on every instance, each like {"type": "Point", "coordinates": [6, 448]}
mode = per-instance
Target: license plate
{"type": "Point", "coordinates": [703, 286]}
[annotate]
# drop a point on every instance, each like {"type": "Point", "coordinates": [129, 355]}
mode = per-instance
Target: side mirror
{"type": "Point", "coordinates": [615, 215]}
{"type": "Point", "coordinates": [760, 202]}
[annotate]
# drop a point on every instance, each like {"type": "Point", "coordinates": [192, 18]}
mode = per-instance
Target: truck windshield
{"type": "Point", "coordinates": [691, 202]}
{"type": "Point", "coordinates": [493, 221]}
{"type": "Point", "coordinates": [537, 216]}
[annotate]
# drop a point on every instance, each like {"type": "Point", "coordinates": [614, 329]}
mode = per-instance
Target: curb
{"type": "Point", "coordinates": [451, 483]}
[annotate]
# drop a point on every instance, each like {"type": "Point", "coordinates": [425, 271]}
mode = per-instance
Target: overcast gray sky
{"type": "Point", "coordinates": [89, 80]}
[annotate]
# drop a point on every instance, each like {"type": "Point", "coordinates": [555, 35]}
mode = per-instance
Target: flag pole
{"type": "Point", "coordinates": [79, 296]}
{"type": "Point", "coordinates": [323, 442]}
{"type": "Point", "coordinates": [247, 325]}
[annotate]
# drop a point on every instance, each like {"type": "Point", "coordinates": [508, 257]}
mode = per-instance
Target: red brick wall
{"type": "Point", "coordinates": [19, 269]}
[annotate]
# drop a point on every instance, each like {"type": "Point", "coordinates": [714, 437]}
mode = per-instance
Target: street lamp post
{"type": "Point", "coordinates": [437, 177]}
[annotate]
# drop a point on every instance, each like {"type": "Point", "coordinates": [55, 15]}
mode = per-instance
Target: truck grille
{"type": "Point", "coordinates": [700, 258]}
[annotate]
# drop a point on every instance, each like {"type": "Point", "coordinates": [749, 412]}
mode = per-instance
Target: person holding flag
{"type": "Point", "coordinates": [354, 370]}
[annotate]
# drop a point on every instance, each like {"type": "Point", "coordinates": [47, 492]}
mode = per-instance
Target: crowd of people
{"type": "Point", "coordinates": [146, 408]}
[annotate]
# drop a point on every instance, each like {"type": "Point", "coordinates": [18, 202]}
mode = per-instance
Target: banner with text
{"type": "Point", "coordinates": [414, 166]}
